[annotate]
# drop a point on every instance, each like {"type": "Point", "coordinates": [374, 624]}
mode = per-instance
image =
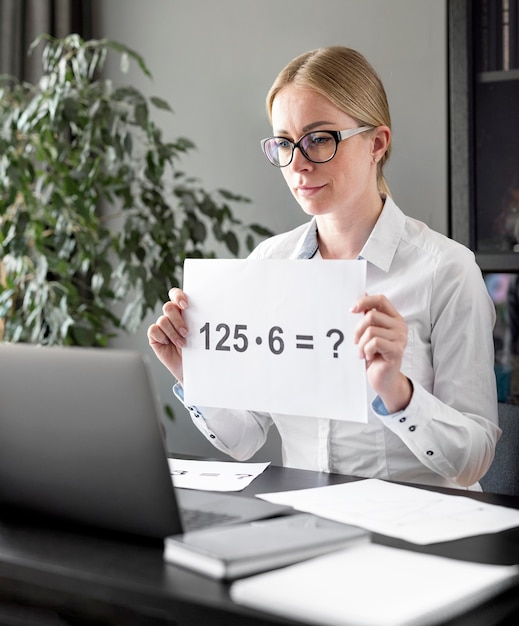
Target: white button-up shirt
{"type": "Point", "coordinates": [447, 433]}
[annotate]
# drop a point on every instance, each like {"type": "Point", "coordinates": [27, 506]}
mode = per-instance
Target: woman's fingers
{"type": "Point", "coordinates": [178, 297]}
{"type": "Point", "coordinates": [167, 335]}
{"type": "Point", "coordinates": [381, 327]}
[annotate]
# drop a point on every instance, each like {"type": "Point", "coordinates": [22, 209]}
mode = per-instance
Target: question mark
{"type": "Point", "coordinates": [339, 340]}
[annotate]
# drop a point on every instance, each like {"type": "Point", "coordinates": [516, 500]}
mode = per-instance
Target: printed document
{"type": "Point", "coordinates": [214, 475]}
{"type": "Point", "coordinates": [374, 585]}
{"type": "Point", "coordinates": [275, 336]}
{"type": "Point", "coordinates": [417, 515]}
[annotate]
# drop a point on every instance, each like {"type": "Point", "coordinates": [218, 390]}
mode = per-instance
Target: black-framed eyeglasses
{"type": "Point", "coordinates": [317, 146]}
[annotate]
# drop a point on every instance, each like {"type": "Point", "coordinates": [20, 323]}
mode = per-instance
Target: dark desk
{"type": "Point", "coordinates": [68, 576]}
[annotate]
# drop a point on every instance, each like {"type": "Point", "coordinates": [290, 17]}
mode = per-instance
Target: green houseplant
{"type": "Point", "coordinates": [96, 218]}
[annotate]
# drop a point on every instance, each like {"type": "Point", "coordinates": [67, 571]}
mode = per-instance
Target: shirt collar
{"type": "Point", "coordinates": [309, 244]}
{"type": "Point", "coordinates": [381, 246]}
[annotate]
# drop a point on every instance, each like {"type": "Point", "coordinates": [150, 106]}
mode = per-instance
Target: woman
{"type": "Point", "coordinates": [426, 332]}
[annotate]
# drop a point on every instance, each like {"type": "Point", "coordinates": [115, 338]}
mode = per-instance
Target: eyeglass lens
{"type": "Point", "coordinates": [317, 147]}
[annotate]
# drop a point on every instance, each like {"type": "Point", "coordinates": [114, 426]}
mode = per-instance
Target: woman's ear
{"type": "Point", "coordinates": [381, 139]}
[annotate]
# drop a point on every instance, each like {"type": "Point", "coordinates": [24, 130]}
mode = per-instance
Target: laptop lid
{"type": "Point", "coordinates": [81, 439]}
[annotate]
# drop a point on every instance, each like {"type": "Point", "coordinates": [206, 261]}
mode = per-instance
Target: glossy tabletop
{"type": "Point", "coordinates": [87, 577]}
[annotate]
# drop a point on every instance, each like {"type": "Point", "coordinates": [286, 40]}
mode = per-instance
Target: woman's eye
{"type": "Point", "coordinates": [283, 144]}
{"type": "Point", "coordinates": [319, 140]}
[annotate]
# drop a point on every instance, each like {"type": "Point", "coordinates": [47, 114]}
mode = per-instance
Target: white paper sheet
{"type": "Point", "coordinates": [214, 475]}
{"type": "Point", "coordinates": [408, 513]}
{"type": "Point", "coordinates": [373, 585]}
{"type": "Point", "coordinates": [275, 336]}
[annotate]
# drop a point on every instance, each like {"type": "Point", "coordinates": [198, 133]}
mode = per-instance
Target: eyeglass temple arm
{"type": "Point", "coordinates": [345, 134]}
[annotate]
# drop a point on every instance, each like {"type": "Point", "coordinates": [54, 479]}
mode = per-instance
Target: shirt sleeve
{"type": "Point", "coordinates": [452, 428]}
{"type": "Point", "coordinates": [239, 434]}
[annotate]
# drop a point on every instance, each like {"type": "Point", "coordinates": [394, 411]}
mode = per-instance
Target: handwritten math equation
{"type": "Point", "coordinates": [225, 337]}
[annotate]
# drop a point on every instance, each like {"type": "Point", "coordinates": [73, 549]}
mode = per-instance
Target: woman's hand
{"type": "Point", "coordinates": [167, 335]}
{"type": "Point", "coordinates": [382, 338]}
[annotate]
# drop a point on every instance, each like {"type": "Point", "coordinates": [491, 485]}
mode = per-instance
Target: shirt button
{"type": "Point", "coordinates": [212, 436]}
{"type": "Point", "coordinates": [429, 452]}
{"type": "Point", "coordinates": [412, 428]}
{"type": "Point", "coordinates": [402, 419]}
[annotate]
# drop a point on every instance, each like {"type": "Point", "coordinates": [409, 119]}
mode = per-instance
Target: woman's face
{"type": "Point", "coordinates": [345, 183]}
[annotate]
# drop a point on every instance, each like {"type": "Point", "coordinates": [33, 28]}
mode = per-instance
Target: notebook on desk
{"type": "Point", "coordinates": [81, 440]}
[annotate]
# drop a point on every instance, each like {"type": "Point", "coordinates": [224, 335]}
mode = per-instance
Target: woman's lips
{"type": "Point", "coordinates": [308, 190]}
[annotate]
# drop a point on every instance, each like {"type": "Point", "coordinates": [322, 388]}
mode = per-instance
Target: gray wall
{"type": "Point", "coordinates": [214, 62]}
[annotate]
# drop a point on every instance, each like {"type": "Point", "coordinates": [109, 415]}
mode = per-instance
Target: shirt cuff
{"type": "Point", "coordinates": [379, 407]}
{"type": "Point", "coordinates": [178, 390]}
{"type": "Point", "coordinates": [198, 418]}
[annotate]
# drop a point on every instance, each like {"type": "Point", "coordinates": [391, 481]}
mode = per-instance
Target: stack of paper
{"type": "Point", "coordinates": [374, 585]}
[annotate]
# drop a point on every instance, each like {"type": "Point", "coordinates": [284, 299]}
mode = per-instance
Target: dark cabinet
{"type": "Point", "coordinates": [484, 160]}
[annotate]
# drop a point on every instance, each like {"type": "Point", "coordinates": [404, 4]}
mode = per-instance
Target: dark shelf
{"type": "Point", "coordinates": [484, 163]}
{"type": "Point", "coordinates": [498, 76]}
{"type": "Point", "coordinates": [498, 262]}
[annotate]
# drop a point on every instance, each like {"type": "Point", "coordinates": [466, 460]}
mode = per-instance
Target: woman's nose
{"type": "Point", "coordinates": [300, 162]}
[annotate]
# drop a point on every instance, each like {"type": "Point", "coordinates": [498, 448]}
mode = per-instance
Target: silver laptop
{"type": "Point", "coordinates": [81, 440]}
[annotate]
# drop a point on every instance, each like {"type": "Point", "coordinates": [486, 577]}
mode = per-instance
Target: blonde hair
{"type": "Point", "coordinates": [346, 79]}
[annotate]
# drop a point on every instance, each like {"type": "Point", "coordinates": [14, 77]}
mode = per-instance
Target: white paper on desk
{"type": "Point", "coordinates": [417, 515]}
{"type": "Point", "coordinates": [374, 585]}
{"type": "Point", "coordinates": [274, 336]}
{"type": "Point", "coordinates": [214, 475]}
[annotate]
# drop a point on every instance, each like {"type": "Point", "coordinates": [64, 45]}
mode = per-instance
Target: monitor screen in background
{"type": "Point", "coordinates": [504, 291]}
